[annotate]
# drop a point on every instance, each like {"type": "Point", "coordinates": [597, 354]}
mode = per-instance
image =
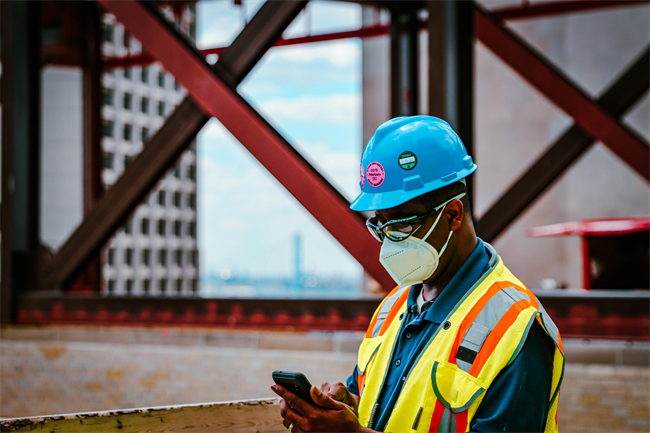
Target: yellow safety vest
{"type": "Point", "coordinates": [481, 335]}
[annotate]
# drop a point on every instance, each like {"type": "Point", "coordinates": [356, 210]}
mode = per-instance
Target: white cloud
{"type": "Point", "coordinates": [325, 17]}
{"type": "Point", "coordinates": [340, 168]}
{"type": "Point", "coordinates": [218, 24]}
{"type": "Point", "coordinates": [323, 109]}
{"type": "Point", "coordinates": [341, 54]}
{"type": "Point", "coordinates": [248, 220]}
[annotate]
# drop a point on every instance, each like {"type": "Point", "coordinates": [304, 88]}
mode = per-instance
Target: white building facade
{"type": "Point", "coordinates": [155, 253]}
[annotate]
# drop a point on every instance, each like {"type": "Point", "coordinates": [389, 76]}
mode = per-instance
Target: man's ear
{"type": "Point", "coordinates": [454, 212]}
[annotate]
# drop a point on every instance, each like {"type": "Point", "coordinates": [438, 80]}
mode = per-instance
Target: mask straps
{"type": "Point", "coordinates": [433, 226]}
{"type": "Point", "coordinates": [451, 232]}
{"type": "Point", "coordinates": [458, 197]}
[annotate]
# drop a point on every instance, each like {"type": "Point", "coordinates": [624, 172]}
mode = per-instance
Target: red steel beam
{"type": "Point", "coordinates": [217, 99]}
{"type": "Point", "coordinates": [364, 32]}
{"type": "Point", "coordinates": [563, 92]}
{"type": "Point", "coordinates": [528, 10]}
{"type": "Point", "coordinates": [548, 9]}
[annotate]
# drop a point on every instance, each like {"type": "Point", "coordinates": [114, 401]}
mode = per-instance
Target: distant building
{"type": "Point", "coordinates": [156, 252]}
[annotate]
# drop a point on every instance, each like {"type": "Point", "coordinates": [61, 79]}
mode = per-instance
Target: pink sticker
{"type": "Point", "coordinates": [375, 174]}
{"type": "Point", "coordinates": [363, 177]}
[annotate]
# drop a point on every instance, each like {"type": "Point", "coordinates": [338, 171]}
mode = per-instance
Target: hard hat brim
{"type": "Point", "coordinates": [385, 200]}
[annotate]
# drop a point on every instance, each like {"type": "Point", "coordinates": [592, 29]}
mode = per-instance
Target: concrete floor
{"type": "Point", "coordinates": [53, 370]}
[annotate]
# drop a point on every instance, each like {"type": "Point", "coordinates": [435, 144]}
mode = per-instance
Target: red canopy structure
{"type": "Point", "coordinates": [614, 251]}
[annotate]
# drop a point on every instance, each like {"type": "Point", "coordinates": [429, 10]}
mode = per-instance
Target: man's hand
{"type": "Point", "coordinates": [339, 392]}
{"type": "Point", "coordinates": [328, 415]}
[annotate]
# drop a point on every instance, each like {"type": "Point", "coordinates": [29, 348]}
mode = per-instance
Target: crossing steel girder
{"type": "Point", "coordinates": [164, 148]}
{"type": "Point", "coordinates": [213, 91]}
{"type": "Point", "coordinates": [572, 144]}
{"type": "Point", "coordinates": [563, 92]}
{"type": "Point", "coordinates": [209, 90]}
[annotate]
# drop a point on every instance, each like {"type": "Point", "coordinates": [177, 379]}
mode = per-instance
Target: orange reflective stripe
{"type": "Point", "coordinates": [461, 421]}
{"type": "Point", "coordinates": [559, 342]}
{"type": "Point", "coordinates": [393, 312]}
{"type": "Point", "coordinates": [361, 379]}
{"type": "Point", "coordinates": [495, 336]}
{"type": "Point", "coordinates": [437, 416]}
{"type": "Point", "coordinates": [469, 319]}
{"type": "Point", "coordinates": [373, 322]}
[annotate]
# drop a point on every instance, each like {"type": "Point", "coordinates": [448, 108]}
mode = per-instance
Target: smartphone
{"type": "Point", "coordinates": [295, 382]}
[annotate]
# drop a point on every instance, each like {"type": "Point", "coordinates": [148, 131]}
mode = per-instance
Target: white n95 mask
{"type": "Point", "coordinates": [412, 260]}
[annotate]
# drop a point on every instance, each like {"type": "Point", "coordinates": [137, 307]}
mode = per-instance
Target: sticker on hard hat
{"type": "Point", "coordinates": [363, 177]}
{"type": "Point", "coordinates": [375, 174]}
{"type": "Point", "coordinates": [407, 160]}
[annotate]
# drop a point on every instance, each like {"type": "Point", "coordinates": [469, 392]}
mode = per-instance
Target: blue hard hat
{"type": "Point", "coordinates": [408, 157]}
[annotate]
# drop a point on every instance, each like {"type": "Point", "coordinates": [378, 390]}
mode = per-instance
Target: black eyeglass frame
{"type": "Point", "coordinates": [380, 232]}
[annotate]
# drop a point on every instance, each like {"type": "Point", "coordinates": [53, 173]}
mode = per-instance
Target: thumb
{"type": "Point", "coordinates": [324, 400]}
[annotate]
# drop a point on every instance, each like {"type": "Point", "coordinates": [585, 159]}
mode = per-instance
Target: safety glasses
{"type": "Point", "coordinates": [401, 229]}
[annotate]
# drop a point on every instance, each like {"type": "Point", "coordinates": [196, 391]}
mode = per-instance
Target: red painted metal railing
{"type": "Point", "coordinates": [621, 315]}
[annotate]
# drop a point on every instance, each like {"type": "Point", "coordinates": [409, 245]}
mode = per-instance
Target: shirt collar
{"type": "Point", "coordinates": [475, 266]}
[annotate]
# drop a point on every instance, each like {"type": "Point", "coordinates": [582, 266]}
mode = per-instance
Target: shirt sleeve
{"type": "Point", "coordinates": [518, 399]}
{"type": "Point", "coordinates": [352, 384]}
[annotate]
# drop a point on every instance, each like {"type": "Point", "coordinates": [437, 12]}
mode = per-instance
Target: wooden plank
{"type": "Point", "coordinates": [234, 416]}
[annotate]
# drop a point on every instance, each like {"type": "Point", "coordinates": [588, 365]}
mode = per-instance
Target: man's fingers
{"type": "Point", "coordinates": [326, 387]}
{"type": "Point", "coordinates": [290, 417]}
{"type": "Point", "coordinates": [324, 400]}
{"type": "Point", "coordinates": [296, 403]}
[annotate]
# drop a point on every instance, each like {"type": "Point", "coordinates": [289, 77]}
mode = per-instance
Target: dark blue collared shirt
{"type": "Point", "coordinates": [518, 397]}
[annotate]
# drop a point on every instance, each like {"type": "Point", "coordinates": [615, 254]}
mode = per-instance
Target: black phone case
{"type": "Point", "coordinates": [295, 382]}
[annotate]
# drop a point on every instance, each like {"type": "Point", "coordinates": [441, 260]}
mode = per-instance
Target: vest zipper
{"type": "Point", "coordinates": [372, 415]}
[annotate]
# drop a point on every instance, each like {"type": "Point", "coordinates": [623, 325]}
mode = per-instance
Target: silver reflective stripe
{"type": "Point", "coordinates": [446, 421]}
{"type": "Point", "coordinates": [463, 365]}
{"type": "Point", "coordinates": [516, 294]}
{"type": "Point", "coordinates": [548, 324]}
{"type": "Point", "coordinates": [470, 346]}
{"type": "Point", "coordinates": [486, 320]}
{"type": "Point", "coordinates": [385, 309]}
{"type": "Point", "coordinates": [476, 335]}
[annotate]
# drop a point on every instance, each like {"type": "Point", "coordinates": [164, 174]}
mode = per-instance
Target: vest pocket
{"type": "Point", "coordinates": [454, 388]}
{"type": "Point", "coordinates": [367, 351]}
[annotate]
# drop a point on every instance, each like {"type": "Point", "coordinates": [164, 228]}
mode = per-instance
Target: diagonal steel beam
{"type": "Point", "coordinates": [166, 146]}
{"type": "Point", "coordinates": [616, 100]}
{"type": "Point", "coordinates": [558, 88]}
{"type": "Point", "coordinates": [211, 92]}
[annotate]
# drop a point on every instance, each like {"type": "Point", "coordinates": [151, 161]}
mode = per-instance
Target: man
{"type": "Point", "coordinates": [460, 344]}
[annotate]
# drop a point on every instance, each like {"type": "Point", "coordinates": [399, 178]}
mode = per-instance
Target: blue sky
{"type": "Point", "coordinates": [312, 95]}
